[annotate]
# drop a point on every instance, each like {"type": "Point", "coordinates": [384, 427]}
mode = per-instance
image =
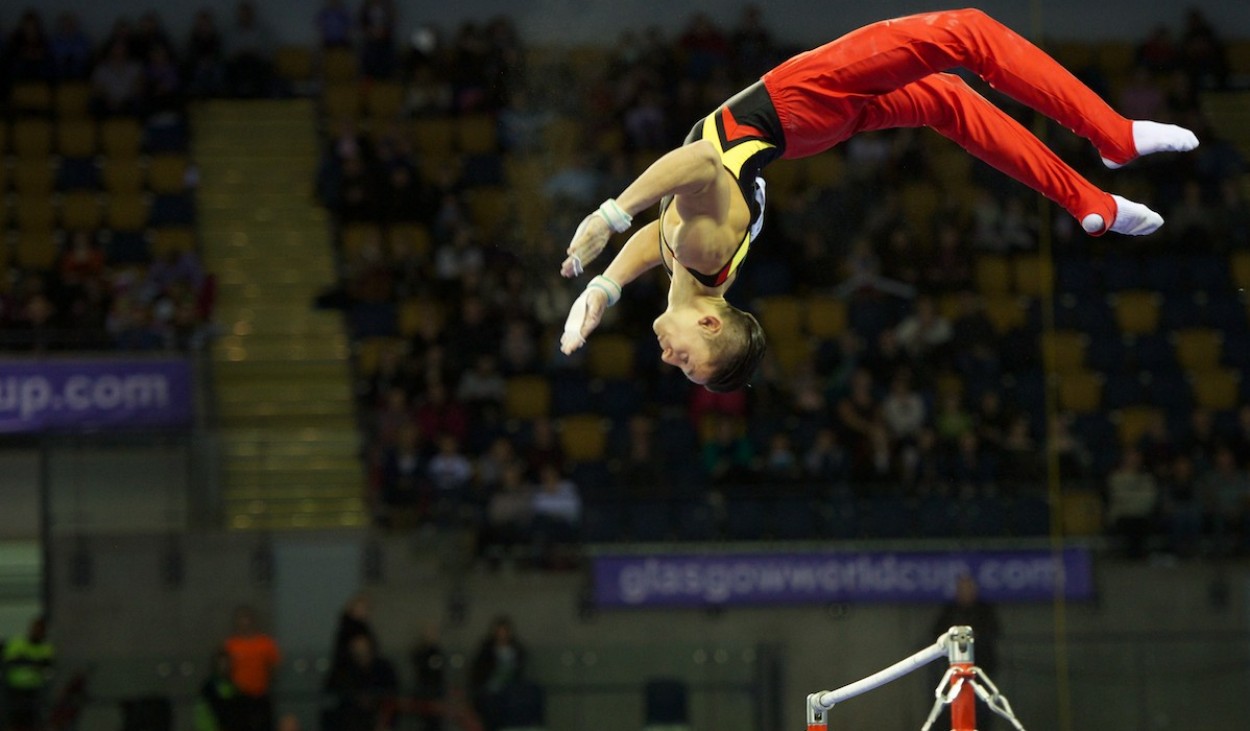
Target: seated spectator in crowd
{"type": "Point", "coordinates": [403, 477]}
{"type": "Point", "coordinates": [334, 25]}
{"type": "Point", "coordinates": [249, 52]}
{"type": "Point", "coordinates": [925, 332]}
{"type": "Point", "coordinates": [450, 473]}
{"type": "Point", "coordinates": [543, 449]}
{"type": "Point", "coordinates": [640, 470]}
{"type": "Point", "coordinates": [377, 46]}
{"type": "Point", "coordinates": [826, 461]}
{"type": "Point", "coordinates": [780, 464]}
{"type": "Point", "coordinates": [71, 49]}
{"type": "Point", "coordinates": [28, 53]}
{"type": "Point", "coordinates": [501, 660]}
{"type": "Point", "coordinates": [1132, 503]}
{"type": "Point", "coordinates": [556, 510]}
{"type": "Point", "coordinates": [440, 415]}
{"type": "Point", "coordinates": [509, 512]}
{"type": "Point", "coordinates": [483, 390]}
{"type": "Point", "coordinates": [205, 56]}
{"type": "Point", "coordinates": [1225, 491]}
{"type": "Point", "coordinates": [728, 457]}
{"type": "Point", "coordinates": [858, 416]}
{"type": "Point", "coordinates": [118, 82]}
{"type": "Point", "coordinates": [903, 410]}
{"type": "Point", "coordinates": [164, 81]}
{"type": "Point", "coordinates": [1182, 508]}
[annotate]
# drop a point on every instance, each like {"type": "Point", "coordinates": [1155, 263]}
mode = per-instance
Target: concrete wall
{"type": "Point", "coordinates": [156, 635]}
{"type": "Point", "coordinates": [599, 21]}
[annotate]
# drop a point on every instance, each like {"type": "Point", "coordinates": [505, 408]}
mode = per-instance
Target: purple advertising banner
{"type": "Point", "coordinates": [50, 395]}
{"type": "Point", "coordinates": [700, 580]}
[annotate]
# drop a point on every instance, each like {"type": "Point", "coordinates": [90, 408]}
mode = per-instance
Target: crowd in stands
{"type": "Point", "coordinates": [900, 283]}
{"type": "Point", "coordinates": [100, 249]}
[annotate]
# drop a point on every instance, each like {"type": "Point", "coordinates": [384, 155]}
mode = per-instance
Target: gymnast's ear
{"type": "Point", "coordinates": [710, 324]}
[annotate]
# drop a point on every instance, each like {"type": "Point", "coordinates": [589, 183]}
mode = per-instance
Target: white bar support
{"type": "Point", "coordinates": [955, 637]}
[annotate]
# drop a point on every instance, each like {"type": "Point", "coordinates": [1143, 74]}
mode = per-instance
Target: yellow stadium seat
{"type": "Point", "coordinates": [610, 356]}
{"type": "Point", "coordinates": [33, 177]}
{"type": "Point", "coordinates": [527, 397]}
{"type": "Point", "coordinates": [384, 100]}
{"type": "Point", "coordinates": [477, 134]}
{"type": "Point", "coordinates": [1068, 348]}
{"type": "Point", "coordinates": [584, 437]}
{"type": "Point", "coordinates": [436, 134]}
{"type": "Point", "coordinates": [564, 135]}
{"type": "Point", "coordinates": [993, 274]}
{"type": "Point", "coordinates": [167, 174]}
{"type": "Point", "coordinates": [31, 96]}
{"type": "Point", "coordinates": [35, 214]}
{"type": "Point", "coordinates": [1134, 421]}
{"type": "Point", "coordinates": [172, 239]}
{"type": "Point", "coordinates": [361, 237]}
{"type": "Point", "coordinates": [1136, 311]}
{"type": "Point", "coordinates": [340, 101]}
{"type": "Point", "coordinates": [1032, 274]}
{"type": "Point", "coordinates": [80, 211]}
{"type": "Point", "coordinates": [784, 177]}
{"type": "Point", "coordinates": [1115, 58]}
{"type": "Point", "coordinates": [405, 239]}
{"type": "Point", "coordinates": [824, 170]}
{"type": "Point", "coordinates": [1081, 513]}
{"type": "Point", "coordinates": [826, 317]}
{"type": "Point", "coordinates": [920, 205]}
{"type": "Point", "coordinates": [370, 352]}
{"type": "Point", "coordinates": [127, 212]}
{"type": "Point", "coordinates": [415, 311]}
{"type": "Point", "coordinates": [32, 138]}
{"type": "Point", "coordinates": [1216, 388]}
{"type": "Point", "coordinates": [789, 352]}
{"type": "Point", "coordinates": [76, 137]}
{"type": "Point", "coordinates": [36, 250]}
{"type": "Point", "coordinates": [72, 100]}
{"type": "Point", "coordinates": [121, 176]}
{"type": "Point", "coordinates": [1198, 348]}
{"type": "Point", "coordinates": [491, 207]}
{"type": "Point", "coordinates": [1241, 268]}
{"type": "Point", "coordinates": [293, 63]}
{"type": "Point", "coordinates": [1080, 392]}
{"type": "Point", "coordinates": [338, 66]}
{"type": "Point", "coordinates": [1006, 312]}
{"type": "Point", "coordinates": [121, 138]}
{"type": "Point", "coordinates": [781, 316]}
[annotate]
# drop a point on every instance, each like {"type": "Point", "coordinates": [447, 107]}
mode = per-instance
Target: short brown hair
{"type": "Point", "coordinates": [737, 352]}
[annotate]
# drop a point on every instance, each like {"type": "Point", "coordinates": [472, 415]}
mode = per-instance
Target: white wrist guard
{"type": "Point", "coordinates": [610, 288]}
{"type": "Point", "coordinates": [617, 218]}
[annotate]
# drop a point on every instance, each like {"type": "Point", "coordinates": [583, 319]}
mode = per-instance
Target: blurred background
{"type": "Point", "coordinates": [287, 441]}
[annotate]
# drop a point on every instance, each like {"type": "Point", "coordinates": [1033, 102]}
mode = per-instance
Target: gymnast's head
{"type": "Point", "coordinates": [714, 343]}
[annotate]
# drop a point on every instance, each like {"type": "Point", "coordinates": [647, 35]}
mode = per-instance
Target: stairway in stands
{"type": "Point", "coordinates": [280, 368]}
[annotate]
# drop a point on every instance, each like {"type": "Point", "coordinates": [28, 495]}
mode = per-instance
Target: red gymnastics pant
{"type": "Point", "coordinates": [887, 75]}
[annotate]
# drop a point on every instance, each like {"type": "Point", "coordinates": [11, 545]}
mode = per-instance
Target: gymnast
{"type": "Point", "coordinates": [884, 75]}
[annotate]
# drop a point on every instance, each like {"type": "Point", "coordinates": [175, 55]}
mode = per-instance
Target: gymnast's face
{"type": "Point", "coordinates": [685, 336]}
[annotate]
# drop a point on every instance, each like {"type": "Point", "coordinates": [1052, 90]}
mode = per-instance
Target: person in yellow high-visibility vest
{"type": "Point", "coordinates": [27, 673]}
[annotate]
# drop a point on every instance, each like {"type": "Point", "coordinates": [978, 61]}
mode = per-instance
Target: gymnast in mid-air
{"type": "Point", "coordinates": [884, 75]}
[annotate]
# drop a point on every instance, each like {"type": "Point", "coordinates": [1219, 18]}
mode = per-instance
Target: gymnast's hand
{"type": "Point", "coordinates": [588, 242]}
{"type": "Point", "coordinates": [584, 317]}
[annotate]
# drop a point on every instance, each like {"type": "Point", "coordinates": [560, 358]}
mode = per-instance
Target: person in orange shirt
{"type": "Point", "coordinates": [254, 658]}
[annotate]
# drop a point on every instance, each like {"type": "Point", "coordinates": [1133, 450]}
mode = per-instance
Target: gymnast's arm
{"type": "Point", "coordinates": [640, 254]}
{"type": "Point", "coordinates": [688, 171]}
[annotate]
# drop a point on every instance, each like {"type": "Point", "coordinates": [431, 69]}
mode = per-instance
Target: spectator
{"type": "Point", "coordinates": [640, 473]}
{"type": "Point", "coordinates": [377, 50]}
{"type": "Point", "coordinates": [439, 415]}
{"type": "Point", "coordinates": [1132, 503]}
{"type": "Point", "coordinates": [1225, 490]}
{"type": "Point", "coordinates": [543, 449]}
{"type": "Point", "coordinates": [825, 461]}
{"type": "Point", "coordinates": [334, 25]}
{"type": "Point", "coordinates": [29, 50]}
{"type": "Point", "coordinates": [925, 332]}
{"type": "Point", "coordinates": [483, 389]}
{"type": "Point", "coordinates": [488, 469]}
{"type": "Point", "coordinates": [728, 457]}
{"type": "Point", "coordinates": [781, 464]}
{"type": "Point", "coordinates": [499, 662]}
{"type": "Point", "coordinates": [1182, 508]}
{"type": "Point", "coordinates": [164, 82]}
{"type": "Point", "coordinates": [254, 658]}
{"type": "Point", "coordinates": [217, 706]}
{"type": "Point", "coordinates": [353, 623]}
{"type": "Point", "coordinates": [365, 687]}
{"type": "Point", "coordinates": [28, 664]}
{"type": "Point", "coordinates": [859, 421]}
{"type": "Point", "coordinates": [509, 510]}
{"type": "Point", "coordinates": [148, 35]}
{"type": "Point", "coordinates": [118, 82]}
{"type": "Point", "coordinates": [952, 421]}
{"type": "Point", "coordinates": [429, 663]}
{"type": "Point", "coordinates": [968, 609]}
{"type": "Point", "coordinates": [249, 48]}
{"type": "Point", "coordinates": [450, 473]}
{"type": "Point", "coordinates": [71, 49]}
{"type": "Point", "coordinates": [556, 508]}
{"type": "Point", "coordinates": [205, 66]}
{"type": "Point", "coordinates": [903, 411]}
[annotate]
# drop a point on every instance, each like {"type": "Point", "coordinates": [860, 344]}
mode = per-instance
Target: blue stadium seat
{"type": "Point", "coordinates": [77, 173]}
{"type": "Point", "coordinates": [618, 400]}
{"type": "Point", "coordinates": [1170, 390]}
{"type": "Point", "coordinates": [1123, 272]}
{"type": "Point", "coordinates": [1078, 275]}
{"type": "Point", "coordinates": [172, 210]}
{"type": "Point", "coordinates": [372, 319]}
{"type": "Point", "coordinates": [1180, 310]}
{"type": "Point", "coordinates": [570, 394]}
{"type": "Point", "coordinates": [1166, 273]}
{"type": "Point", "coordinates": [126, 247]}
{"type": "Point", "coordinates": [1122, 389]}
{"type": "Point", "coordinates": [1207, 273]}
{"type": "Point", "coordinates": [1107, 354]}
{"type": "Point", "coordinates": [1153, 352]}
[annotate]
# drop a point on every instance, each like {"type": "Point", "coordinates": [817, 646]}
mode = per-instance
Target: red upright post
{"type": "Point", "coordinates": [964, 707]}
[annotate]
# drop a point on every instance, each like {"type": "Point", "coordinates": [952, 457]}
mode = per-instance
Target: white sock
{"type": "Point", "coordinates": [1151, 137]}
{"type": "Point", "coordinates": [1131, 218]}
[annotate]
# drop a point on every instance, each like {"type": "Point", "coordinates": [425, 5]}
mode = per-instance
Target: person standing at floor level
{"type": "Point", "coordinates": [28, 663]}
{"type": "Point", "coordinates": [254, 658]}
